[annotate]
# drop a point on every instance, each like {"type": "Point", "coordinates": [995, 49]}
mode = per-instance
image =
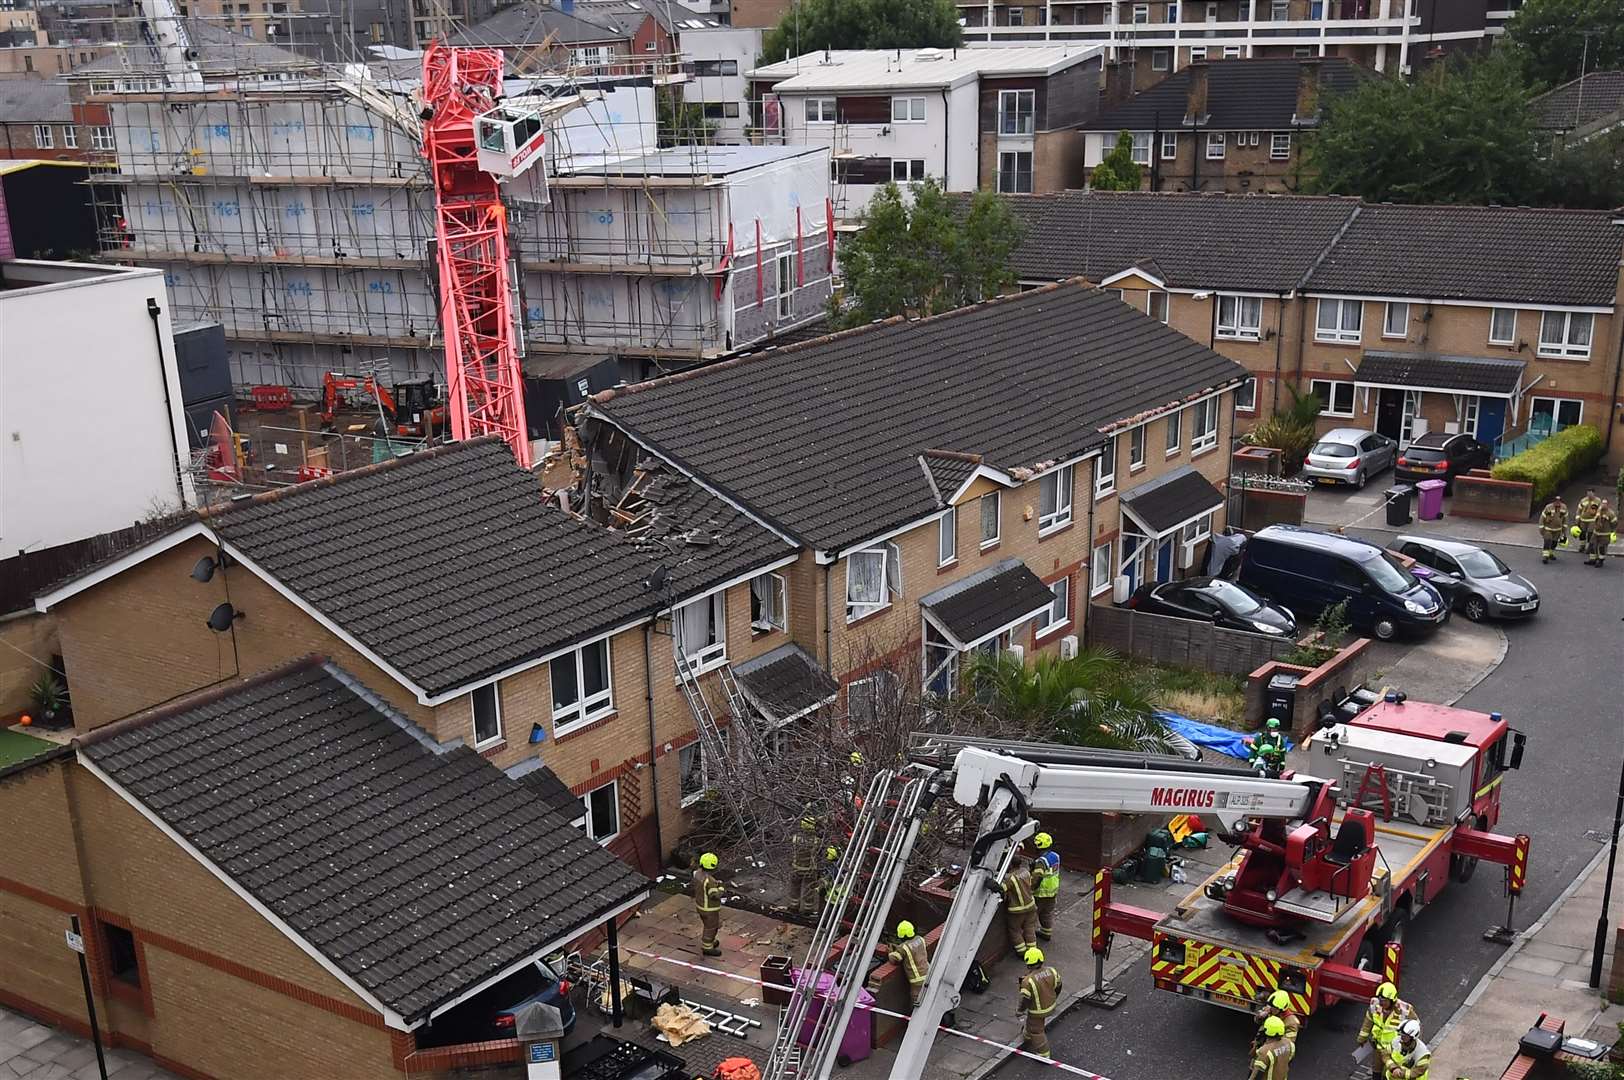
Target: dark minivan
{"type": "Point", "coordinates": [1308, 571]}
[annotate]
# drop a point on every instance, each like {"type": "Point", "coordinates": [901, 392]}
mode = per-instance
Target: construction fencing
{"type": "Point", "coordinates": [1184, 643]}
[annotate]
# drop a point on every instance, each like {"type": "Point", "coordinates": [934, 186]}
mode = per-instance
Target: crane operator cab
{"type": "Point", "coordinates": [509, 138]}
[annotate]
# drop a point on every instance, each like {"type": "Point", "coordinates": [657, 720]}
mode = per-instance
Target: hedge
{"type": "Point", "coordinates": [1551, 465]}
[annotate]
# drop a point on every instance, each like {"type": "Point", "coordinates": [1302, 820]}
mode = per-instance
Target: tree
{"type": "Point", "coordinates": [681, 123]}
{"type": "Point", "coordinates": [916, 255]}
{"type": "Point", "coordinates": [1091, 699]}
{"type": "Point", "coordinates": [1117, 171]}
{"type": "Point", "coordinates": [1588, 175]}
{"type": "Point", "coordinates": [813, 25]}
{"type": "Point", "coordinates": [1548, 37]}
{"type": "Point", "coordinates": [1459, 133]}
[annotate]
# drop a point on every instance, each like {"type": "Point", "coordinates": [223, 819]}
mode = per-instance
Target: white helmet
{"type": "Point", "coordinates": [1412, 1028]}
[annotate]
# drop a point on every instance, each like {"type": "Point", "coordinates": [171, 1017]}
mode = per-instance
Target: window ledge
{"type": "Point", "coordinates": [703, 669]}
{"type": "Point", "coordinates": [1106, 494]}
{"type": "Point", "coordinates": [696, 797]}
{"type": "Point", "coordinates": [1101, 591]}
{"type": "Point", "coordinates": [1585, 359]}
{"type": "Point", "coordinates": [1056, 530]}
{"type": "Point", "coordinates": [1337, 340]}
{"type": "Point", "coordinates": [1203, 452]}
{"type": "Point", "coordinates": [1051, 630]}
{"type": "Point", "coordinates": [580, 727]}
{"type": "Point", "coordinates": [486, 749]}
{"type": "Point", "coordinates": [763, 631]}
{"type": "Point", "coordinates": [876, 613]}
{"type": "Point", "coordinates": [992, 545]}
{"type": "Point", "coordinates": [1173, 453]}
{"type": "Point", "coordinates": [1134, 470]}
{"type": "Point", "coordinates": [949, 565]}
{"type": "Point", "coordinates": [1221, 336]}
{"type": "Point", "coordinates": [1395, 337]}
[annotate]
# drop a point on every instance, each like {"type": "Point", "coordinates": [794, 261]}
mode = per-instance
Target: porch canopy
{"type": "Point", "coordinates": [1484, 376]}
{"type": "Point", "coordinates": [1168, 503]}
{"type": "Point", "coordinates": [786, 683]}
{"type": "Point", "coordinates": [978, 608]}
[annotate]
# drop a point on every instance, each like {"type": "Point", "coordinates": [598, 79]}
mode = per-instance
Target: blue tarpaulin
{"type": "Point", "coordinates": [1210, 736]}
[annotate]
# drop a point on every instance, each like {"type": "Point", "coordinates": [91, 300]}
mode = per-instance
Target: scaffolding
{"type": "Point", "coordinates": [289, 200]}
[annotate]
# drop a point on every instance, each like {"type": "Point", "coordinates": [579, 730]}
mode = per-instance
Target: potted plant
{"type": "Point", "coordinates": [50, 699]}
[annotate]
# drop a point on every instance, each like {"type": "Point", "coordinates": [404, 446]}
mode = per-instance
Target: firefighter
{"type": "Point", "coordinates": [910, 954]}
{"type": "Point", "coordinates": [832, 892]}
{"type": "Point", "coordinates": [1602, 532]}
{"type": "Point", "coordinates": [1383, 1017]}
{"type": "Point", "coordinates": [803, 868]}
{"type": "Point", "coordinates": [1045, 883]}
{"type": "Point", "coordinates": [1408, 1057]}
{"type": "Point", "coordinates": [708, 902]}
{"type": "Point", "coordinates": [1040, 989]}
{"type": "Point", "coordinates": [1268, 751]}
{"type": "Point", "coordinates": [1020, 910]}
{"type": "Point", "coordinates": [1278, 1004]}
{"type": "Point", "coordinates": [1584, 517]}
{"type": "Point", "coordinates": [1272, 1059]}
{"type": "Point", "coordinates": [1553, 527]}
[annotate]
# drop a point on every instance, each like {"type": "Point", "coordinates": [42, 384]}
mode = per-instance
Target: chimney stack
{"type": "Point", "coordinates": [1195, 112]}
{"type": "Point", "coordinates": [1308, 88]}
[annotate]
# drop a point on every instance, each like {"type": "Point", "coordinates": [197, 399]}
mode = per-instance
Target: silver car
{"type": "Point", "coordinates": [1349, 456]}
{"type": "Point", "coordinates": [1475, 582]}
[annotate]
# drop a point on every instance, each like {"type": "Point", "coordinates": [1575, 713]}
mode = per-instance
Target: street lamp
{"type": "Point", "coordinates": [1607, 886]}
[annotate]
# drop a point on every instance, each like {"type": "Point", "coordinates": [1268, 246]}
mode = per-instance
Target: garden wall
{"type": "Point", "coordinates": [1478, 495]}
{"type": "Point", "coordinates": [1351, 666]}
{"type": "Point", "coordinates": [1181, 642]}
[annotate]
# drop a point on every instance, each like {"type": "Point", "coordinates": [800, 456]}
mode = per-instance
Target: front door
{"type": "Point", "coordinates": [1389, 413]}
{"type": "Point", "coordinates": [1164, 560]}
{"type": "Point", "coordinates": [1491, 420]}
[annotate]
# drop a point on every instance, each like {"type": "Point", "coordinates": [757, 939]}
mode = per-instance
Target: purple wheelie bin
{"type": "Point", "coordinates": [1430, 499]}
{"type": "Point", "coordinates": [858, 1041]}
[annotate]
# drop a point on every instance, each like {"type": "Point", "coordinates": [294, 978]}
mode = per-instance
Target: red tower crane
{"type": "Point", "coordinates": [484, 379]}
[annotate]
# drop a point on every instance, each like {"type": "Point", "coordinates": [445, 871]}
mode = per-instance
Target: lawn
{"type": "Point", "coordinates": [1200, 695]}
{"type": "Point", "coordinates": [15, 747]}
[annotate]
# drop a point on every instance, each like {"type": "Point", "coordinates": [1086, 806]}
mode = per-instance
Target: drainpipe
{"type": "Point", "coordinates": [1618, 366]}
{"type": "Point", "coordinates": [1302, 339]}
{"type": "Point", "coordinates": [653, 746]}
{"type": "Point", "coordinates": [1279, 343]}
{"type": "Point", "coordinates": [828, 626]}
{"type": "Point", "coordinates": [1088, 571]}
{"type": "Point", "coordinates": [153, 311]}
{"type": "Point", "coordinates": [946, 125]}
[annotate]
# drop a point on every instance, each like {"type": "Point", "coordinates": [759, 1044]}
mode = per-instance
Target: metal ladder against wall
{"type": "Point", "coordinates": [883, 836]}
{"type": "Point", "coordinates": [713, 740]}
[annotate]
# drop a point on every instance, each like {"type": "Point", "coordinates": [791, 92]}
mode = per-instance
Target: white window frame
{"type": "Point", "coordinates": [1329, 395]}
{"type": "Point", "coordinates": [769, 603]}
{"type": "Point", "coordinates": [1203, 425]}
{"type": "Point", "coordinates": [1013, 186]}
{"type": "Point", "coordinates": [1012, 119]}
{"type": "Point", "coordinates": [1141, 14]}
{"type": "Point", "coordinates": [997, 504]}
{"type": "Point", "coordinates": [1556, 410]}
{"type": "Point", "coordinates": [947, 537]}
{"type": "Point", "coordinates": [1172, 13]}
{"type": "Point", "coordinates": [823, 107]}
{"type": "Point", "coordinates": [913, 169]}
{"type": "Point", "coordinates": [1105, 473]}
{"type": "Point", "coordinates": [1246, 395]}
{"type": "Point", "coordinates": [584, 710]}
{"type": "Point", "coordinates": [1279, 10]}
{"type": "Point", "coordinates": [784, 267]}
{"type": "Point", "coordinates": [1170, 145]}
{"type": "Point", "coordinates": [1136, 447]}
{"type": "Point", "coordinates": [688, 798]}
{"type": "Point", "coordinates": [1048, 621]}
{"type": "Point", "coordinates": [1139, 148]}
{"type": "Point", "coordinates": [1151, 304]}
{"type": "Point", "coordinates": [496, 707]}
{"type": "Point", "coordinates": [713, 654]}
{"type": "Point", "coordinates": [1055, 490]}
{"type": "Point", "coordinates": [1217, 145]}
{"type": "Point", "coordinates": [1099, 566]}
{"type": "Point", "coordinates": [1197, 52]}
{"type": "Point", "coordinates": [1280, 146]}
{"type": "Point", "coordinates": [44, 138]}
{"type": "Point", "coordinates": [1563, 345]}
{"type": "Point", "coordinates": [911, 111]}
{"type": "Point", "coordinates": [1511, 336]}
{"type": "Point", "coordinates": [890, 557]}
{"type": "Point", "coordinates": [584, 820]}
{"type": "Point", "coordinates": [1174, 431]}
{"type": "Point", "coordinates": [872, 687]}
{"type": "Point", "coordinates": [1400, 308]}
{"type": "Point", "coordinates": [101, 138]}
{"type": "Point", "coordinates": [1236, 327]}
{"type": "Point", "coordinates": [1232, 52]}
{"type": "Point", "coordinates": [1339, 331]}
{"type": "Point", "coordinates": [1017, 16]}
{"type": "Point", "coordinates": [1161, 59]}
{"type": "Point", "coordinates": [70, 137]}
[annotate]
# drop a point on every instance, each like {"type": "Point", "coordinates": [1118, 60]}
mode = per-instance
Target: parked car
{"type": "Point", "coordinates": [489, 1014]}
{"type": "Point", "coordinates": [1440, 456]}
{"type": "Point", "coordinates": [1217, 601]}
{"type": "Point", "coordinates": [1308, 571]}
{"type": "Point", "coordinates": [1475, 582]}
{"type": "Point", "coordinates": [1349, 456]}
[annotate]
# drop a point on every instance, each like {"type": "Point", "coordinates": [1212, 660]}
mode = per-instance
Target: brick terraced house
{"type": "Point", "coordinates": [284, 877]}
{"type": "Point", "coordinates": [1501, 322]}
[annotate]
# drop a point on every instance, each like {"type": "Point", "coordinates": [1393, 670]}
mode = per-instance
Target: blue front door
{"type": "Point", "coordinates": [1164, 560]}
{"type": "Point", "coordinates": [1491, 419]}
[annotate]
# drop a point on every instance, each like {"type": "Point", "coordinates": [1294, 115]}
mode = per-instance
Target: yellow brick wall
{"type": "Point", "coordinates": [29, 641]}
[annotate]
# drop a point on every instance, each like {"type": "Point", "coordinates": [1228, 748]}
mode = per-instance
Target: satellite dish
{"type": "Point", "coordinates": [221, 618]}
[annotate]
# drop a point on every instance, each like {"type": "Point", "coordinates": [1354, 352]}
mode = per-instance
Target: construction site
{"type": "Point", "coordinates": [291, 202]}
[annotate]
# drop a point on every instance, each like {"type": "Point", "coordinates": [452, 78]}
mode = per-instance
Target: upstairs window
{"type": "Point", "coordinates": [1396, 320]}
{"type": "Point", "coordinates": [768, 601]}
{"type": "Point", "coordinates": [1565, 333]}
{"type": "Point", "coordinates": [1054, 499]}
{"type": "Point", "coordinates": [1204, 425]}
{"type": "Point", "coordinates": [907, 110]}
{"type": "Point", "coordinates": [1136, 448]}
{"type": "Point", "coordinates": [947, 537]}
{"type": "Point", "coordinates": [1216, 142]}
{"type": "Point", "coordinates": [581, 691]}
{"type": "Point", "coordinates": [1280, 146]}
{"type": "Point", "coordinates": [873, 578]}
{"type": "Point", "coordinates": [992, 506]}
{"type": "Point", "coordinates": [1015, 111]}
{"type": "Point", "coordinates": [1140, 151]}
{"type": "Point", "coordinates": [1175, 426]}
{"type": "Point", "coordinates": [820, 110]}
{"type": "Point", "coordinates": [1240, 318]}
{"type": "Point", "coordinates": [1105, 478]}
{"type": "Point", "coordinates": [1156, 305]}
{"type": "Point", "coordinates": [1170, 145]}
{"type": "Point", "coordinates": [1338, 320]}
{"type": "Point", "coordinates": [487, 715]}
{"type": "Point", "coordinates": [1503, 326]}
{"type": "Point", "coordinates": [701, 628]}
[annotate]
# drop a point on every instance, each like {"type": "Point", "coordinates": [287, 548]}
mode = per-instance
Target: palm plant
{"type": "Point", "coordinates": [1091, 699]}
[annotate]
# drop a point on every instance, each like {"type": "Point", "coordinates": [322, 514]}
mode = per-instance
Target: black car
{"type": "Point", "coordinates": [1441, 456]}
{"type": "Point", "coordinates": [1217, 601]}
{"type": "Point", "coordinates": [490, 1013]}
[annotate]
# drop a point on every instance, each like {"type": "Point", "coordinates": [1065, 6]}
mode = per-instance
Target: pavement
{"type": "Point", "coordinates": [31, 1051]}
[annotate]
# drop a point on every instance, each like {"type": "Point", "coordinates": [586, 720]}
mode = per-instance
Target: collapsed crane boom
{"type": "Point", "coordinates": [484, 379]}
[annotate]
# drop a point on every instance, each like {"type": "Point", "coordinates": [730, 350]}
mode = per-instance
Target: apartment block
{"type": "Point", "coordinates": [1146, 40]}
{"type": "Point", "coordinates": [1501, 322]}
{"type": "Point", "coordinates": [1232, 125]}
{"type": "Point", "coordinates": [968, 118]}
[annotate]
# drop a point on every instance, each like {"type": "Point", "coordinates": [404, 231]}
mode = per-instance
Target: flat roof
{"type": "Point", "coordinates": [697, 160]}
{"type": "Point", "coordinates": [1430, 721]}
{"type": "Point", "coordinates": [842, 69]}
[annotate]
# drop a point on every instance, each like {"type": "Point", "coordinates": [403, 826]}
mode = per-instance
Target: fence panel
{"type": "Point", "coordinates": [1185, 643]}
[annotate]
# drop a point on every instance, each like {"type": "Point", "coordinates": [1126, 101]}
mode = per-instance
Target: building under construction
{"type": "Point", "coordinates": [290, 201]}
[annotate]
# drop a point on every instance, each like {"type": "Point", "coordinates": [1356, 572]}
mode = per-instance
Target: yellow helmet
{"type": "Point", "coordinates": [831, 853]}
{"type": "Point", "coordinates": [856, 758]}
{"type": "Point", "coordinates": [1033, 956]}
{"type": "Point", "coordinates": [1274, 1027]}
{"type": "Point", "coordinates": [905, 930]}
{"type": "Point", "coordinates": [808, 824]}
{"type": "Point", "coordinates": [1575, 530]}
{"type": "Point", "coordinates": [1387, 991]}
{"type": "Point", "coordinates": [1043, 841]}
{"type": "Point", "coordinates": [709, 861]}
{"type": "Point", "coordinates": [1280, 999]}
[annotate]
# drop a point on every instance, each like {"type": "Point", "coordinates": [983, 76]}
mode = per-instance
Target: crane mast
{"type": "Point", "coordinates": [484, 378]}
